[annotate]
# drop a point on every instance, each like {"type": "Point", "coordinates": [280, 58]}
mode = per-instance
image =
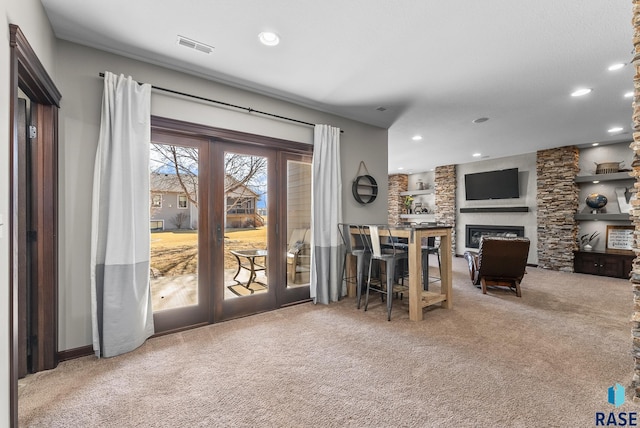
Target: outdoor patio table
{"type": "Point", "coordinates": [247, 260]}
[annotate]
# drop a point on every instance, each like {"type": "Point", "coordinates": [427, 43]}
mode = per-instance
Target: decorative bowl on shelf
{"type": "Point", "coordinates": [596, 201]}
{"type": "Point", "coordinates": [608, 167]}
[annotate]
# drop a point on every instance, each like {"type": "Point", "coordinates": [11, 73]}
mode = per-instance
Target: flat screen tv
{"type": "Point", "coordinates": [501, 184]}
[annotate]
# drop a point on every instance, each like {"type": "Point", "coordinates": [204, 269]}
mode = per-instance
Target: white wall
{"type": "Point", "coordinates": [81, 88]}
{"type": "Point", "coordinates": [30, 17]}
{"type": "Point", "coordinates": [526, 165]}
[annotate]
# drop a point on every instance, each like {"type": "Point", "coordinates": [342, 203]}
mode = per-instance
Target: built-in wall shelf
{"type": "Point", "coordinates": [604, 216]}
{"type": "Point", "coordinates": [417, 192]}
{"type": "Point", "coordinates": [418, 216]}
{"type": "Point", "coordinates": [495, 210]}
{"type": "Point", "coordinates": [604, 177]}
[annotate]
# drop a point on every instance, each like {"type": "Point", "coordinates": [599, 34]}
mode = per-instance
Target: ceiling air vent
{"type": "Point", "coordinates": [190, 43]}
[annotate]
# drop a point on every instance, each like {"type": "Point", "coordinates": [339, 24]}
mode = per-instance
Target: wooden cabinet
{"type": "Point", "coordinates": [616, 264]}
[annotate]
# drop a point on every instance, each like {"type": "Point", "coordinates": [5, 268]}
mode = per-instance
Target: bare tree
{"type": "Point", "coordinates": [176, 163]}
{"type": "Point", "coordinates": [245, 175]}
{"type": "Point", "coordinates": [179, 220]}
{"type": "Point", "coordinates": [245, 178]}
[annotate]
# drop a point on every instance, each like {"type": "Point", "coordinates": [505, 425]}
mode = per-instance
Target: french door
{"type": "Point", "coordinates": [230, 227]}
{"type": "Point", "coordinates": [179, 228]}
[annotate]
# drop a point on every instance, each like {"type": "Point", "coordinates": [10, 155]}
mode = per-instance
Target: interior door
{"type": "Point", "coordinates": [22, 250]}
{"type": "Point", "coordinates": [179, 227]}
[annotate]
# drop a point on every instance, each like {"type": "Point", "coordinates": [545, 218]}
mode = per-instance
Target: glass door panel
{"type": "Point", "coordinates": [244, 265]}
{"type": "Point", "coordinates": [296, 215]}
{"type": "Point", "coordinates": [298, 223]}
{"type": "Point", "coordinates": [179, 290]}
{"type": "Point", "coordinates": [245, 225]}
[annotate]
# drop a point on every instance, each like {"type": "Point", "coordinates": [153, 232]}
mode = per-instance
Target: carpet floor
{"type": "Point", "coordinates": [544, 360]}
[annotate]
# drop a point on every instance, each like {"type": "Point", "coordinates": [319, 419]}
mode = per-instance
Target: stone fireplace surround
{"type": "Point", "coordinates": [473, 233]}
{"type": "Point", "coordinates": [556, 170]}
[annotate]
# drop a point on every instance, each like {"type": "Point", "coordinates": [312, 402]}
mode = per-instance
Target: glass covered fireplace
{"type": "Point", "coordinates": [475, 231]}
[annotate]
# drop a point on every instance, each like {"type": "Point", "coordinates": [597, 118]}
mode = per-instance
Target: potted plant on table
{"type": "Point", "coordinates": [586, 239]}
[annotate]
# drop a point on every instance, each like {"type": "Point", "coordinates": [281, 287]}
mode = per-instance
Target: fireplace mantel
{"type": "Point", "coordinates": [495, 210]}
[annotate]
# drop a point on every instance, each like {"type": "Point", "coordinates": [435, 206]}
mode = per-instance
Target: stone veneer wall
{"type": "Point", "coordinates": [397, 183]}
{"type": "Point", "coordinates": [635, 204]}
{"type": "Point", "coordinates": [557, 203]}
{"type": "Point", "coordinates": [445, 188]}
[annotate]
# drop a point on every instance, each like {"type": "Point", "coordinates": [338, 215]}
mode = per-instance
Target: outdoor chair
{"type": "Point", "coordinates": [299, 257]}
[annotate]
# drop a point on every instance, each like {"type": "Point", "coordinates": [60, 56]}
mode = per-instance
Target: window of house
{"type": "Point", "coordinates": [182, 201]}
{"type": "Point", "coordinates": [156, 225]}
{"type": "Point", "coordinates": [156, 201]}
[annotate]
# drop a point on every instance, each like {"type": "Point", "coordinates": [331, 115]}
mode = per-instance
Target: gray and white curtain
{"type": "Point", "coordinates": [326, 213]}
{"type": "Point", "coordinates": [122, 316]}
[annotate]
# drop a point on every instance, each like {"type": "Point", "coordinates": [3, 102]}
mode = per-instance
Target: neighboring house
{"type": "Point", "coordinates": [172, 208]}
{"type": "Point", "coordinates": [170, 205]}
{"type": "Point", "coordinates": [241, 205]}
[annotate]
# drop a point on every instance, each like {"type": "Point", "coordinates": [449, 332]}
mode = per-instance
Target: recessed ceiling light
{"type": "Point", "coordinates": [477, 155]}
{"type": "Point", "coordinates": [628, 94]}
{"type": "Point", "coordinates": [416, 137]}
{"type": "Point", "coordinates": [615, 129]}
{"type": "Point", "coordinates": [581, 92]}
{"type": "Point", "coordinates": [400, 168]}
{"type": "Point", "coordinates": [480, 120]}
{"type": "Point", "coordinates": [596, 181]}
{"type": "Point", "coordinates": [617, 66]}
{"type": "Point", "coordinates": [268, 38]}
{"type": "Point", "coordinates": [595, 144]}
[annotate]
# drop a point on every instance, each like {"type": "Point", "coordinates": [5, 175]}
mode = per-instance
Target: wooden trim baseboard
{"type": "Point", "coordinates": [71, 354]}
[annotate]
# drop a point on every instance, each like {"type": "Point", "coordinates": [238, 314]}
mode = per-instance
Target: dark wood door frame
{"type": "Point", "coordinates": [245, 143]}
{"type": "Point", "coordinates": [29, 75]}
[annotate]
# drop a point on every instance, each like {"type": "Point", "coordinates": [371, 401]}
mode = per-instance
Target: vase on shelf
{"type": "Point", "coordinates": [587, 247]}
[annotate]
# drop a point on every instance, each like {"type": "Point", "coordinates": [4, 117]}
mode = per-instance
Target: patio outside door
{"type": "Point", "coordinates": [230, 228]}
{"type": "Point", "coordinates": [245, 260]}
{"type": "Point", "coordinates": [266, 213]}
{"type": "Point", "coordinates": [180, 283]}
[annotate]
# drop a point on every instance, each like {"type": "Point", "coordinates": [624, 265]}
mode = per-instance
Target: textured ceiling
{"type": "Point", "coordinates": [434, 65]}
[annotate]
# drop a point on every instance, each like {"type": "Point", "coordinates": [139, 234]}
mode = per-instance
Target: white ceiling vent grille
{"type": "Point", "coordinates": [190, 43]}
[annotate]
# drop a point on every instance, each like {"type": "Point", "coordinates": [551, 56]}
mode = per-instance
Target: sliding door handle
{"type": "Point", "coordinates": [219, 234]}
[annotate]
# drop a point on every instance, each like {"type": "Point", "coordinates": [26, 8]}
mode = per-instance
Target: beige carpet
{"type": "Point", "coordinates": [496, 360]}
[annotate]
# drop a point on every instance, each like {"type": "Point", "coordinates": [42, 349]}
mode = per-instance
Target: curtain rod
{"type": "Point", "coordinates": [247, 109]}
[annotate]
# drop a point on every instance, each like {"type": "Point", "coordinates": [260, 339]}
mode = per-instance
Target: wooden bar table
{"type": "Point", "coordinates": [418, 298]}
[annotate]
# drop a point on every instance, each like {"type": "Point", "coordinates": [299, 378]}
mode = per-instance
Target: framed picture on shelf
{"type": "Point", "coordinates": [620, 237]}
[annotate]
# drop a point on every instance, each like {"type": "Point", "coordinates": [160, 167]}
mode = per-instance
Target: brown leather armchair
{"type": "Point", "coordinates": [499, 261]}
